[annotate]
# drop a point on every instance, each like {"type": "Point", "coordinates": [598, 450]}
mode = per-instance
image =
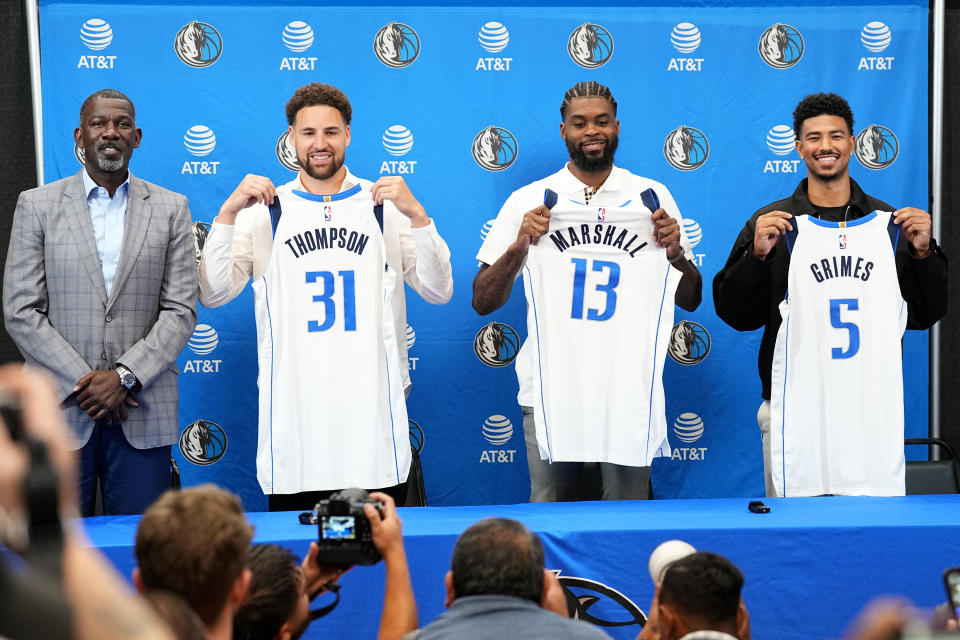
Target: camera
{"type": "Point", "coordinates": [344, 532]}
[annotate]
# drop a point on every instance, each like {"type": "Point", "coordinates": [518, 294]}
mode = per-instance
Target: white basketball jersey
{"type": "Point", "coordinates": [332, 411]}
{"type": "Point", "coordinates": [600, 299]}
{"type": "Point", "coordinates": [837, 384]}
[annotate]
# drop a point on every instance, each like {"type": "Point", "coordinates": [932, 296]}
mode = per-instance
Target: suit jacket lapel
{"type": "Point", "coordinates": [135, 225]}
{"type": "Point", "coordinates": [78, 215]}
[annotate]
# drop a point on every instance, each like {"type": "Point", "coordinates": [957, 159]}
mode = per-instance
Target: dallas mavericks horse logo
{"type": "Point", "coordinates": [203, 442]}
{"type": "Point", "coordinates": [590, 46]}
{"type": "Point", "coordinates": [686, 148]}
{"type": "Point", "coordinates": [496, 344]}
{"type": "Point", "coordinates": [416, 437]}
{"type": "Point", "coordinates": [689, 343]}
{"type": "Point", "coordinates": [285, 152]}
{"type": "Point", "coordinates": [876, 147]}
{"type": "Point", "coordinates": [599, 604]}
{"type": "Point", "coordinates": [200, 231]}
{"type": "Point", "coordinates": [198, 44]}
{"type": "Point", "coordinates": [494, 148]}
{"type": "Point", "coordinates": [396, 45]}
{"type": "Point", "coordinates": [781, 46]}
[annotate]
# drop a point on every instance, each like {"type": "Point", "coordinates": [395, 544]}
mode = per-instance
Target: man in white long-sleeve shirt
{"type": "Point", "coordinates": [241, 245]}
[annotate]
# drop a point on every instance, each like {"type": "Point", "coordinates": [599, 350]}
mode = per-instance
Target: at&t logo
{"type": "Point", "coordinates": [203, 442]}
{"type": "Point", "coordinates": [285, 152]}
{"type": "Point", "coordinates": [494, 148]}
{"type": "Point", "coordinates": [298, 37]}
{"type": "Point", "coordinates": [590, 46]}
{"type": "Point", "coordinates": [685, 38]}
{"type": "Point", "coordinates": [96, 35]}
{"type": "Point", "coordinates": [396, 45]}
{"type": "Point", "coordinates": [686, 148]}
{"type": "Point", "coordinates": [781, 140]}
{"type": "Point", "coordinates": [875, 37]}
{"type": "Point", "coordinates": [493, 38]}
{"type": "Point", "coordinates": [688, 428]}
{"type": "Point", "coordinates": [397, 141]}
{"type": "Point", "coordinates": [199, 141]}
{"type": "Point", "coordinates": [694, 235]}
{"type": "Point", "coordinates": [781, 46]}
{"type": "Point", "coordinates": [198, 44]}
{"type": "Point", "coordinates": [485, 229]}
{"type": "Point", "coordinates": [497, 430]}
{"type": "Point", "coordinates": [689, 343]}
{"type": "Point", "coordinates": [203, 342]}
{"type": "Point", "coordinates": [496, 344]}
{"type": "Point", "coordinates": [876, 147]}
{"type": "Point", "coordinates": [411, 338]}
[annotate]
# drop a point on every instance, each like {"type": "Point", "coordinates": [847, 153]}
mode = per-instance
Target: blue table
{"type": "Point", "coordinates": [810, 564]}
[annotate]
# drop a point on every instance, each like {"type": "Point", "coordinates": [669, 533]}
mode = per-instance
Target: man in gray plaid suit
{"type": "Point", "coordinates": [100, 290]}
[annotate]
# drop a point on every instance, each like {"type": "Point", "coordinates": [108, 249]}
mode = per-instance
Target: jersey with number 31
{"type": "Point", "coordinates": [836, 404]}
{"type": "Point", "coordinates": [332, 410]}
{"type": "Point", "coordinates": [600, 300]}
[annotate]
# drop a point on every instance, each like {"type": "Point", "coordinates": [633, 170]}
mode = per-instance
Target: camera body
{"type": "Point", "coordinates": [344, 536]}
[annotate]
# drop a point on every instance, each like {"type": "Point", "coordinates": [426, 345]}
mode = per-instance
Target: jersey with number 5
{"type": "Point", "coordinates": [600, 300]}
{"type": "Point", "coordinates": [332, 411]}
{"type": "Point", "coordinates": [837, 385]}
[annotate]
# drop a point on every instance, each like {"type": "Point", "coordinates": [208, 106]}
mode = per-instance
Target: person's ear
{"type": "Point", "coordinates": [448, 583]}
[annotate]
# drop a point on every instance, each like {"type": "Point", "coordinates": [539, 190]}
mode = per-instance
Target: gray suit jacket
{"type": "Point", "coordinates": [56, 307]}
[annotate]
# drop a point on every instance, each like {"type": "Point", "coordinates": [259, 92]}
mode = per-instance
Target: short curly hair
{"type": "Point", "coordinates": [820, 104]}
{"type": "Point", "coordinates": [317, 93]}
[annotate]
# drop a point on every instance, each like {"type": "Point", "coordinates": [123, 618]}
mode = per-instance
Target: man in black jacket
{"type": "Point", "coordinates": [753, 282]}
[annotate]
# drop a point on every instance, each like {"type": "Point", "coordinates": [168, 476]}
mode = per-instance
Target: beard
{"type": "Point", "coordinates": [602, 163]}
{"type": "Point", "coordinates": [320, 174]}
{"type": "Point", "coordinates": [106, 165]}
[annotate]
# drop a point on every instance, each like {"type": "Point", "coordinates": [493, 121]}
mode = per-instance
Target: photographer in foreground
{"type": "Point", "coordinates": [66, 589]}
{"type": "Point", "coordinates": [497, 588]}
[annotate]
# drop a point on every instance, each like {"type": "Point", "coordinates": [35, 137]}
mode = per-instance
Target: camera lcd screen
{"type": "Point", "coordinates": [338, 527]}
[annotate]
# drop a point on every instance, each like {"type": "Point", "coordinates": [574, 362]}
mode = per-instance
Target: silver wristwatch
{"type": "Point", "coordinates": [127, 379]}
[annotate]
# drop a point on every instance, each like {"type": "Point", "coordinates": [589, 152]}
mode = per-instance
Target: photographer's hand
{"type": "Point", "coordinates": [399, 607]}
{"type": "Point", "coordinates": [317, 576]}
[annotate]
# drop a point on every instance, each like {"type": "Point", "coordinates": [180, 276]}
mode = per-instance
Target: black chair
{"type": "Point", "coordinates": [933, 476]}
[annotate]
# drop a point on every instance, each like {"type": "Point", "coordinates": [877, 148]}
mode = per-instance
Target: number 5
{"type": "Point", "coordinates": [853, 305]}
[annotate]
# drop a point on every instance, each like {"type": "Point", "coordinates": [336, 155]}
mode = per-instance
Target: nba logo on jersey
{"type": "Point", "coordinates": [601, 214]}
{"type": "Point", "coordinates": [327, 213]}
{"type": "Point", "coordinates": [843, 240]}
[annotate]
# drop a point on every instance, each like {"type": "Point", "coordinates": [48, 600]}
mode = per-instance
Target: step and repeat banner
{"type": "Point", "coordinates": [705, 95]}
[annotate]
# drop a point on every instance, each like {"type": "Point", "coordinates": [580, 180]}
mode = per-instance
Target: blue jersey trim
{"type": "Point", "coordinates": [275, 213]}
{"type": "Point", "coordinates": [393, 432]}
{"type": "Point", "coordinates": [549, 198]}
{"type": "Point", "coordinates": [650, 200]}
{"type": "Point", "coordinates": [783, 411]}
{"type": "Point", "coordinates": [656, 339]}
{"type": "Point", "coordinates": [316, 197]}
{"type": "Point", "coordinates": [266, 295]}
{"type": "Point", "coordinates": [536, 325]}
{"type": "Point", "coordinates": [893, 229]}
{"type": "Point", "coordinates": [837, 225]}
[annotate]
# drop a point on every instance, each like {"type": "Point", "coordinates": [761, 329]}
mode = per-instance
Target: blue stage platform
{"type": "Point", "coordinates": [810, 564]}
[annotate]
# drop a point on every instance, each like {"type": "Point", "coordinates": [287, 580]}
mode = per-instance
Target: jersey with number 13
{"type": "Point", "coordinates": [600, 299]}
{"type": "Point", "coordinates": [836, 404]}
{"type": "Point", "coordinates": [332, 411]}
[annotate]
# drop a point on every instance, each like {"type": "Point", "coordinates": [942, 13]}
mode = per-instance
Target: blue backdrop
{"type": "Point", "coordinates": [210, 83]}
